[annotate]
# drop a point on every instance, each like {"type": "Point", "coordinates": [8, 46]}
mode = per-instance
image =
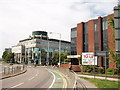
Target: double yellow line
{"type": "Point", "coordinates": [64, 80]}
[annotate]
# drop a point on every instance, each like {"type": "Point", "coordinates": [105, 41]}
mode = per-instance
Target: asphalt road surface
{"type": "Point", "coordinates": [34, 78]}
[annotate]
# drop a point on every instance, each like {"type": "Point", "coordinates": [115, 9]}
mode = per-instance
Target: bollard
{"type": "Point", "coordinates": [12, 69]}
{"type": "Point", "coordinates": [8, 70]}
{"type": "Point", "coordinates": [4, 70]}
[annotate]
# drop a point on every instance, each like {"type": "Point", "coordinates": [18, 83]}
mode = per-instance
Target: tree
{"type": "Point", "coordinates": [63, 57]}
{"type": "Point", "coordinates": [67, 60]}
{"type": "Point", "coordinates": [55, 58]}
{"type": "Point", "coordinates": [10, 57]}
{"type": "Point", "coordinates": [80, 60]}
{"type": "Point", "coordinates": [4, 55]}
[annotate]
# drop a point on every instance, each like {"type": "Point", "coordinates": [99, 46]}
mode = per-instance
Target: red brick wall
{"type": "Point", "coordinates": [91, 36]}
{"type": "Point", "coordinates": [76, 68]}
{"type": "Point", "coordinates": [100, 39]}
{"type": "Point", "coordinates": [80, 28]}
{"type": "Point", "coordinates": [73, 67]}
{"type": "Point", "coordinates": [111, 43]}
{"type": "Point", "coordinates": [65, 66]}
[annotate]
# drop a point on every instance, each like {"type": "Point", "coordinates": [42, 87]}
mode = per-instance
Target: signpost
{"type": "Point", "coordinates": [105, 54]}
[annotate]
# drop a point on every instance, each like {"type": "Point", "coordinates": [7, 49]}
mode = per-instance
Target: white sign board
{"type": "Point", "coordinates": [73, 56]}
{"type": "Point", "coordinates": [89, 59]}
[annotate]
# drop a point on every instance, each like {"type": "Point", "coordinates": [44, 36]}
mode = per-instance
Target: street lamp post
{"type": "Point", "coordinates": [40, 51]}
{"type": "Point", "coordinates": [59, 45]}
{"type": "Point", "coordinates": [59, 49]}
{"type": "Point", "coordinates": [47, 52]}
{"type": "Point", "coordinates": [40, 58]}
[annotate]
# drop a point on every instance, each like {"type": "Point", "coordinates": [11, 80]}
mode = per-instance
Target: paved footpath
{"type": "Point", "coordinates": [91, 76]}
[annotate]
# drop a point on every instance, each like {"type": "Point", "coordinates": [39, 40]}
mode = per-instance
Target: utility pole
{"type": "Point", "coordinates": [47, 63]}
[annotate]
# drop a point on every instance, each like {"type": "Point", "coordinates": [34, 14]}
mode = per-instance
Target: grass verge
{"type": "Point", "coordinates": [101, 83]}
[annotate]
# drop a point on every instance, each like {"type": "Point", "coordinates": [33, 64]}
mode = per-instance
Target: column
{"type": "Point", "coordinates": [20, 57]}
{"type": "Point", "coordinates": [100, 40]}
{"type": "Point", "coordinates": [91, 36]}
{"type": "Point", "coordinates": [80, 42]}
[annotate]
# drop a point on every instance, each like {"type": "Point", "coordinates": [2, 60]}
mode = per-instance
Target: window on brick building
{"type": "Point", "coordinates": [86, 37]}
{"type": "Point", "coordinates": [96, 40]}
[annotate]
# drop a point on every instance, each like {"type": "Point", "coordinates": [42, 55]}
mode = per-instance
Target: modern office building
{"type": "Point", "coordinates": [8, 50]}
{"type": "Point", "coordinates": [95, 35]}
{"type": "Point", "coordinates": [39, 48]}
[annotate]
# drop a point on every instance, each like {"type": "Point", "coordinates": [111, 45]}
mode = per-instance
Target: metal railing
{"type": "Point", "coordinates": [10, 70]}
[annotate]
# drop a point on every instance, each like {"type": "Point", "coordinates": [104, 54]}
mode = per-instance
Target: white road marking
{"type": "Point", "coordinates": [58, 78]}
{"type": "Point", "coordinates": [53, 79]}
{"type": "Point", "coordinates": [37, 73]}
{"type": "Point", "coordinates": [17, 85]}
{"type": "Point", "coordinates": [31, 78]}
{"type": "Point", "coordinates": [34, 76]}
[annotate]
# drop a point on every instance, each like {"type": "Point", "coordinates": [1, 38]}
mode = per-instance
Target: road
{"type": "Point", "coordinates": [34, 78]}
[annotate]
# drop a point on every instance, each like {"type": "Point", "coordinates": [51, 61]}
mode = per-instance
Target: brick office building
{"type": "Point", "coordinates": [95, 35]}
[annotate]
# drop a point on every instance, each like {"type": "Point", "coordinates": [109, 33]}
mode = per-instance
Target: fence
{"type": "Point", "coordinates": [10, 70]}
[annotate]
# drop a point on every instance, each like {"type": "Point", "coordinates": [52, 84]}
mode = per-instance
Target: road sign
{"type": "Point", "coordinates": [101, 53]}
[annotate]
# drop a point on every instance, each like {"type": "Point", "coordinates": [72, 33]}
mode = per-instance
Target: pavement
{"type": "Point", "coordinates": [98, 77]}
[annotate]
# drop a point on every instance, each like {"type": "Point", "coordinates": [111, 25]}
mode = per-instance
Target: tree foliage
{"type": "Point", "coordinates": [80, 60]}
{"type": "Point", "coordinates": [8, 57]}
{"type": "Point", "coordinates": [111, 22]}
{"type": "Point", "coordinates": [63, 57]}
{"type": "Point", "coordinates": [4, 55]}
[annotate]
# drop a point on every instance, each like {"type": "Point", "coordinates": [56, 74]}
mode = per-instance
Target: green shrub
{"type": "Point", "coordinates": [115, 70]}
{"type": "Point", "coordinates": [109, 69]}
{"type": "Point", "coordinates": [101, 70]}
{"type": "Point", "coordinates": [89, 70]}
{"type": "Point", "coordinates": [112, 71]}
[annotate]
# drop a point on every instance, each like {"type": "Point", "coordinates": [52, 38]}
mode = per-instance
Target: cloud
{"type": "Point", "coordinates": [18, 18]}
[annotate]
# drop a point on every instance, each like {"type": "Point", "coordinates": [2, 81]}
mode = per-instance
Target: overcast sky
{"type": "Point", "coordinates": [18, 18]}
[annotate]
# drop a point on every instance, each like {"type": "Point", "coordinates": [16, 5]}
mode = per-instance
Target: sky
{"type": "Point", "coordinates": [18, 18]}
